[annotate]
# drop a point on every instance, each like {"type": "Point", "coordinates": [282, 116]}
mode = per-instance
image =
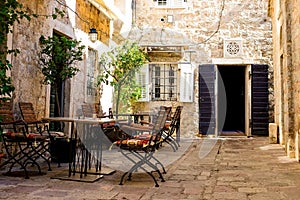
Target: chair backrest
{"type": "Point", "coordinates": [175, 123]}
{"type": "Point", "coordinates": [87, 110]}
{"type": "Point", "coordinates": [160, 121]}
{"type": "Point", "coordinates": [6, 112]}
{"type": "Point", "coordinates": [168, 110]}
{"type": "Point", "coordinates": [27, 112]}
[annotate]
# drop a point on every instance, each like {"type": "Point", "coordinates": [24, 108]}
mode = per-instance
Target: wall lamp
{"type": "Point", "coordinates": [93, 34]}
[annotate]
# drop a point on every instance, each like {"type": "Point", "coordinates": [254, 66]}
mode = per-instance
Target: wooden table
{"type": "Point", "coordinates": [83, 131]}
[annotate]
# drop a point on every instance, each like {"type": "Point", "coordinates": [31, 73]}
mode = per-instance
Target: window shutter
{"type": "Point", "coordinates": [143, 81]}
{"type": "Point", "coordinates": [177, 3]}
{"type": "Point", "coordinates": [186, 82]}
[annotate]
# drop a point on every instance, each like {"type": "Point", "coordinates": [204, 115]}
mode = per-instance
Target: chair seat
{"type": "Point", "coordinates": [148, 137]}
{"type": "Point", "coordinates": [132, 143]}
{"type": "Point", "coordinates": [21, 137]}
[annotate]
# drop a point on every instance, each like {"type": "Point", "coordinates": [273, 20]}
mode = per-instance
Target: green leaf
{"type": "Point", "coordinates": [54, 16]}
{"type": "Point", "coordinates": [118, 69]}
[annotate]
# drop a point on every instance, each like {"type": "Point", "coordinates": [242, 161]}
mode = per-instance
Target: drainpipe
{"type": "Point", "coordinates": [133, 7]}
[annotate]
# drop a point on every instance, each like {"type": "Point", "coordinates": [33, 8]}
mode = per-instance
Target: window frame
{"type": "Point", "coordinates": [184, 80]}
{"type": "Point", "coordinates": [90, 75]}
{"type": "Point", "coordinates": [162, 87]}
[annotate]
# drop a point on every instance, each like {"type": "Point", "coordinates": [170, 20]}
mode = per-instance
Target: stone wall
{"type": "Point", "coordinates": [201, 26]}
{"type": "Point", "coordinates": [208, 22]}
{"type": "Point", "coordinates": [285, 22]}
{"type": "Point", "coordinates": [90, 17]}
{"type": "Point", "coordinates": [26, 72]}
{"type": "Point", "coordinates": [205, 24]}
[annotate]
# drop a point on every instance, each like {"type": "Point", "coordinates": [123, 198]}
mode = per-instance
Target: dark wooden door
{"type": "Point", "coordinates": [207, 116]}
{"type": "Point", "coordinates": [259, 100]}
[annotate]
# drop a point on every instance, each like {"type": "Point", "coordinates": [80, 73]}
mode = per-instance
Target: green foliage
{"type": "Point", "coordinates": [6, 86]}
{"type": "Point", "coordinates": [129, 94]}
{"type": "Point", "coordinates": [58, 13]}
{"type": "Point", "coordinates": [121, 62]}
{"type": "Point", "coordinates": [57, 56]}
{"type": "Point", "coordinates": [120, 65]}
{"type": "Point", "coordinates": [10, 11]}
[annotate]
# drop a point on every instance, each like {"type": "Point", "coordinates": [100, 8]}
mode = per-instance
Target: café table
{"type": "Point", "coordinates": [83, 131]}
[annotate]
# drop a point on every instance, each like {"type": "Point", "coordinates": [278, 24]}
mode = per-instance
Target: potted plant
{"type": "Point", "coordinates": [57, 57]}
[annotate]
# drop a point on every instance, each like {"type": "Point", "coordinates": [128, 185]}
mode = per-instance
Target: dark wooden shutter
{"type": "Point", "coordinates": [259, 100]}
{"type": "Point", "coordinates": [207, 117]}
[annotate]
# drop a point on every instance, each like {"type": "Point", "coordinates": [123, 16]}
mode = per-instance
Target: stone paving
{"type": "Point", "coordinates": [234, 168]}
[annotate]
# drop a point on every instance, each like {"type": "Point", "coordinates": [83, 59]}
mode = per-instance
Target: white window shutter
{"type": "Point", "coordinates": [186, 82]}
{"type": "Point", "coordinates": [177, 3]}
{"type": "Point", "coordinates": [143, 81]}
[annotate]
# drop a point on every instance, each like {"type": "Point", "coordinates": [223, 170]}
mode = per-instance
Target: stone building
{"type": "Point", "coordinates": [286, 54]}
{"type": "Point", "coordinates": [194, 45]}
{"type": "Point", "coordinates": [107, 17]}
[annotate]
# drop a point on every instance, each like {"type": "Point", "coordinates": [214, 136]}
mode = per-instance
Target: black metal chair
{"type": "Point", "coordinates": [141, 148]}
{"type": "Point", "coordinates": [22, 147]}
{"type": "Point", "coordinates": [171, 127]}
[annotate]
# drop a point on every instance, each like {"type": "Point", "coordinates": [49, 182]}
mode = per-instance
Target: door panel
{"type": "Point", "coordinates": [207, 118]}
{"type": "Point", "coordinates": [260, 100]}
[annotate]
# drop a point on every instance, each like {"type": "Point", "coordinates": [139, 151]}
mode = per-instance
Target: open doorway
{"type": "Point", "coordinates": [233, 78]}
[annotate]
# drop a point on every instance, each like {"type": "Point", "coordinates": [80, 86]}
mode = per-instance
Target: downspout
{"type": "Point", "coordinates": [133, 7]}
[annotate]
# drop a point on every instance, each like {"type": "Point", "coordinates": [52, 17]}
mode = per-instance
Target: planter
{"type": "Point", "coordinates": [62, 150]}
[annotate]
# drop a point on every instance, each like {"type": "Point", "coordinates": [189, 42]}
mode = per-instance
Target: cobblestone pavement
{"type": "Point", "coordinates": [235, 168]}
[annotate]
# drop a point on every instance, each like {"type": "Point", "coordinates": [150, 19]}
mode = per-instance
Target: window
{"type": "Point", "coordinates": [164, 82]}
{"type": "Point", "coordinates": [171, 3]}
{"type": "Point", "coordinates": [90, 74]}
{"type": "Point", "coordinates": [167, 82]}
{"type": "Point", "coordinates": [162, 2]}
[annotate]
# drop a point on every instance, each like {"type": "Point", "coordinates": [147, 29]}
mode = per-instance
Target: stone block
{"type": "Point", "coordinates": [273, 133]}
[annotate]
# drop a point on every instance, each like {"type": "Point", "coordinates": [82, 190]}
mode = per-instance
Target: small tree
{"type": "Point", "coordinates": [57, 57]}
{"type": "Point", "coordinates": [120, 64]}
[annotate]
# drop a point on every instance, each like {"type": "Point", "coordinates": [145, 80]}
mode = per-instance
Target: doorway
{"type": "Point", "coordinates": [233, 78]}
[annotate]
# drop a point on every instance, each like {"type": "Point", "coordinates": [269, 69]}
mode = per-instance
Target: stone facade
{"type": "Point", "coordinates": [286, 53]}
{"type": "Point", "coordinates": [200, 28]}
{"type": "Point", "coordinates": [80, 16]}
{"type": "Point", "coordinates": [96, 19]}
{"type": "Point", "coordinates": [196, 32]}
{"type": "Point", "coordinates": [26, 72]}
